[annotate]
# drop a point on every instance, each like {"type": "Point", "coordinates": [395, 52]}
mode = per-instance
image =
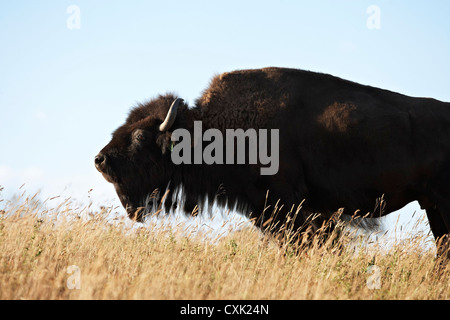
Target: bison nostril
{"type": "Point", "coordinates": [99, 159]}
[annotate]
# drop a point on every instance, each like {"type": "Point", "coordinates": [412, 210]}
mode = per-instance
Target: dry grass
{"type": "Point", "coordinates": [122, 261]}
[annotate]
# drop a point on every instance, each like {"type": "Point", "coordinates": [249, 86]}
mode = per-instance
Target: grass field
{"type": "Point", "coordinates": [70, 253]}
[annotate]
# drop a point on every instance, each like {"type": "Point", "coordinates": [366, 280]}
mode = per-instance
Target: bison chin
{"type": "Point", "coordinates": [138, 207]}
{"type": "Point", "coordinates": [135, 213]}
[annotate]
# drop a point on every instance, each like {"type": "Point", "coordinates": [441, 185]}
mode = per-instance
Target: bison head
{"type": "Point", "coordinates": [136, 160]}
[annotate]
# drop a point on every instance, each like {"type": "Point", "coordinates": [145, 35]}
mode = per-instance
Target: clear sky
{"type": "Point", "coordinates": [63, 91]}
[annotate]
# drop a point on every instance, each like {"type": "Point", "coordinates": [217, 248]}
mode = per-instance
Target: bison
{"type": "Point", "coordinates": [342, 146]}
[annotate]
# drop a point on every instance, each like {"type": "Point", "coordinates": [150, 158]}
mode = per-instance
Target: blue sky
{"type": "Point", "coordinates": [62, 92]}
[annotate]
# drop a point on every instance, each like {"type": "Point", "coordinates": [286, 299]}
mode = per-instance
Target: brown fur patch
{"type": "Point", "coordinates": [337, 117]}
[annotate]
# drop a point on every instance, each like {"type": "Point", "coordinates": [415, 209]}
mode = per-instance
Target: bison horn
{"type": "Point", "coordinates": [171, 115]}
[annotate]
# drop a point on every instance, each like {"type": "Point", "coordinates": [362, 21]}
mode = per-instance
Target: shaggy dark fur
{"type": "Point", "coordinates": [342, 145]}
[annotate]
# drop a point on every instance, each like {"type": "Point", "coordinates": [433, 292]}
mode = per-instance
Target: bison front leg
{"type": "Point", "coordinates": [300, 229]}
{"type": "Point", "coordinates": [440, 232]}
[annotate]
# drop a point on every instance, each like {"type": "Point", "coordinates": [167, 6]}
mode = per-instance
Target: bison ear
{"type": "Point", "coordinates": [164, 141]}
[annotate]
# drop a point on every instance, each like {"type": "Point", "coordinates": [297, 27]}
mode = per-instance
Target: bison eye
{"type": "Point", "coordinates": [139, 135]}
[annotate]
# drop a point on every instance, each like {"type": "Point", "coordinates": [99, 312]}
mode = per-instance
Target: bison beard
{"type": "Point", "coordinates": [342, 147]}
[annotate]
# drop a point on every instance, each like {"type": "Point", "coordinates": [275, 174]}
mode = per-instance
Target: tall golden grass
{"type": "Point", "coordinates": [71, 253]}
